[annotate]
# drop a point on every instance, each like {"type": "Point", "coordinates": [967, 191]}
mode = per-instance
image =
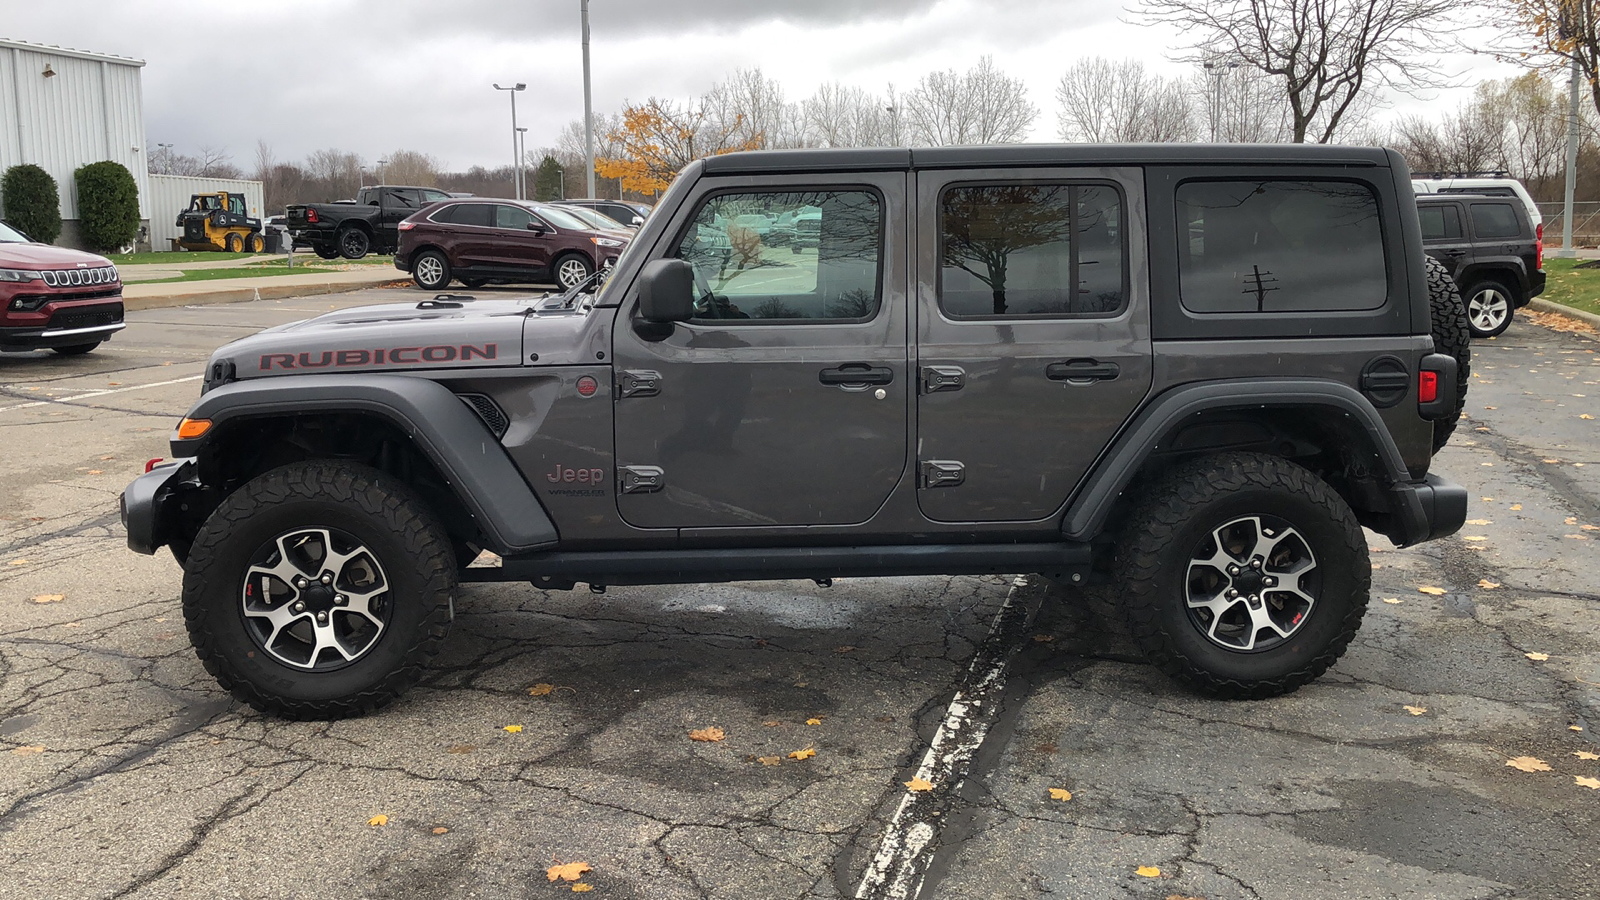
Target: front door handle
{"type": "Point", "coordinates": [856, 374]}
{"type": "Point", "coordinates": [1082, 370]}
{"type": "Point", "coordinates": [1453, 253]}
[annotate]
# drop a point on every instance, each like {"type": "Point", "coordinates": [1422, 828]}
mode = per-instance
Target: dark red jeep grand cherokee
{"type": "Point", "coordinates": [66, 300]}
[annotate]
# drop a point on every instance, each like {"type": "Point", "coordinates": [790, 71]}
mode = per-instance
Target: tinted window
{"type": "Point", "coordinates": [1279, 246]}
{"type": "Point", "coordinates": [480, 214]}
{"type": "Point", "coordinates": [406, 199]}
{"type": "Point", "coordinates": [1030, 250]}
{"type": "Point", "coordinates": [1439, 223]}
{"type": "Point", "coordinates": [1495, 220]}
{"type": "Point", "coordinates": [434, 196]}
{"type": "Point", "coordinates": [513, 217]}
{"type": "Point", "coordinates": [829, 271]}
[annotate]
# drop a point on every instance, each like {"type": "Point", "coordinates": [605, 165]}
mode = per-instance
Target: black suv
{"type": "Point", "coordinates": [1491, 248]}
{"type": "Point", "coordinates": [1195, 372]}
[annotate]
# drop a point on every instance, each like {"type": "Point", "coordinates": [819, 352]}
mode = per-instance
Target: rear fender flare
{"type": "Point", "coordinates": [480, 472]}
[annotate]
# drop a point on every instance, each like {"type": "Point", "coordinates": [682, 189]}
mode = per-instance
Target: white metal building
{"type": "Point", "coordinates": [61, 109]}
{"type": "Point", "coordinates": [170, 195]}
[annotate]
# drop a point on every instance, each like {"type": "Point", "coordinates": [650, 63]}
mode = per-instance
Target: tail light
{"type": "Point", "coordinates": [311, 214]}
{"type": "Point", "coordinates": [1427, 386]}
{"type": "Point", "coordinates": [406, 226]}
{"type": "Point", "coordinates": [1538, 247]}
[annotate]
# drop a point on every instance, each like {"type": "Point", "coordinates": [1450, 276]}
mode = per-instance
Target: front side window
{"type": "Point", "coordinates": [236, 205]}
{"type": "Point", "coordinates": [513, 218]}
{"type": "Point", "coordinates": [825, 268]}
{"type": "Point", "coordinates": [1440, 223]}
{"type": "Point", "coordinates": [1279, 246]}
{"type": "Point", "coordinates": [1031, 250]}
{"type": "Point", "coordinates": [1495, 220]}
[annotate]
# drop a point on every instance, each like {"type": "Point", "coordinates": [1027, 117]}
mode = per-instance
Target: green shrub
{"type": "Point", "coordinates": [108, 206]}
{"type": "Point", "coordinates": [32, 202]}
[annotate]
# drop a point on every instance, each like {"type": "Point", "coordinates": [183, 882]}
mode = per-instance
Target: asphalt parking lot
{"type": "Point", "coordinates": [125, 772]}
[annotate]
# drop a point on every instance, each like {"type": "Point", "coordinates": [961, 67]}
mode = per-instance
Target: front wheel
{"type": "Point", "coordinates": [431, 271]}
{"type": "Point", "coordinates": [1489, 306]}
{"type": "Point", "coordinates": [1244, 576]}
{"type": "Point", "coordinates": [233, 242]}
{"type": "Point", "coordinates": [572, 270]}
{"type": "Point", "coordinates": [319, 590]}
{"type": "Point", "coordinates": [354, 243]}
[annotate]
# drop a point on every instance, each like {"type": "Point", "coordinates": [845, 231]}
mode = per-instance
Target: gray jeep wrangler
{"type": "Point", "coordinates": [1194, 371]}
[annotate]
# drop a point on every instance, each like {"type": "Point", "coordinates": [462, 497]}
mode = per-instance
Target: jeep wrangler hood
{"type": "Point", "coordinates": [388, 338]}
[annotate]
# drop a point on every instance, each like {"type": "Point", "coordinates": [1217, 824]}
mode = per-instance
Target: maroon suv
{"type": "Point", "coordinates": [478, 241]}
{"type": "Point", "coordinates": [66, 300]}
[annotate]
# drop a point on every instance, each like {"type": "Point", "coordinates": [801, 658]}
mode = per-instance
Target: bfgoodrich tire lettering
{"type": "Point", "coordinates": [352, 500]}
{"type": "Point", "coordinates": [1170, 528]}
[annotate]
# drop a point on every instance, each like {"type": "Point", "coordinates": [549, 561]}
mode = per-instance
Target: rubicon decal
{"type": "Point", "coordinates": [390, 356]}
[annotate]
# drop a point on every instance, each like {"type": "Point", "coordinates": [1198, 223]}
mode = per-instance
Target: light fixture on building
{"type": "Point", "coordinates": [49, 72]}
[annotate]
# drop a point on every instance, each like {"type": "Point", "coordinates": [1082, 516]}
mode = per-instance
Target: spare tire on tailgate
{"type": "Point", "coordinates": [1451, 336]}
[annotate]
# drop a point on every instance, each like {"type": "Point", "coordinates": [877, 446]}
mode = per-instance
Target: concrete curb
{"type": "Point", "coordinates": [246, 294]}
{"type": "Point", "coordinates": [1546, 306]}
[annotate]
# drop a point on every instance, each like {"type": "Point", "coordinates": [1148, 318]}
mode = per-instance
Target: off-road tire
{"type": "Point", "coordinates": [324, 251]}
{"type": "Point", "coordinates": [1175, 515]}
{"type": "Point", "coordinates": [77, 349]}
{"type": "Point", "coordinates": [233, 243]}
{"type": "Point", "coordinates": [403, 536]}
{"type": "Point", "coordinates": [1505, 292]}
{"type": "Point", "coordinates": [353, 243]}
{"type": "Point", "coordinates": [1452, 336]}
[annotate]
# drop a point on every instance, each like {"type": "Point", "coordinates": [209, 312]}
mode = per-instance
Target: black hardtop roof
{"type": "Point", "coordinates": [1003, 155]}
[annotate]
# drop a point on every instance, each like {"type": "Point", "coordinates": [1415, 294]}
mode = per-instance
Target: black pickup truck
{"type": "Point", "coordinates": [366, 225]}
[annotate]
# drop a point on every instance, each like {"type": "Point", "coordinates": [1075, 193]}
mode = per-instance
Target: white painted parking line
{"type": "Point", "coordinates": [897, 869]}
{"type": "Point", "coordinates": [92, 394]}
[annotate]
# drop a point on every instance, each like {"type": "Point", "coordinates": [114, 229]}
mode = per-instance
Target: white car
{"type": "Point", "coordinates": [1496, 186]}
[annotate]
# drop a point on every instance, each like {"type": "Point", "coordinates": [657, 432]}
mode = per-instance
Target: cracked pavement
{"type": "Point", "coordinates": [125, 771]}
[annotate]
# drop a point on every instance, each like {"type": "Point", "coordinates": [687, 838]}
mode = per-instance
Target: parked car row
{"type": "Point", "coordinates": [1492, 247]}
{"type": "Point", "coordinates": [477, 241]}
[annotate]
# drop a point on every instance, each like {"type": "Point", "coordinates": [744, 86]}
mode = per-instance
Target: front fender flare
{"type": "Point", "coordinates": [453, 438]}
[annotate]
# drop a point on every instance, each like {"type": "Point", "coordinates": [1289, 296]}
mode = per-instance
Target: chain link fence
{"type": "Point", "coordinates": [1585, 223]}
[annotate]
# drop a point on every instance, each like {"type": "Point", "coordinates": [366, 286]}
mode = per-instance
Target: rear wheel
{"type": "Point", "coordinates": [1489, 306]}
{"type": "Point", "coordinates": [1243, 575]}
{"type": "Point", "coordinates": [77, 349]}
{"type": "Point", "coordinates": [233, 242]}
{"type": "Point", "coordinates": [353, 243]}
{"type": "Point", "coordinates": [325, 251]}
{"type": "Point", "coordinates": [1452, 335]}
{"type": "Point", "coordinates": [319, 590]}
{"type": "Point", "coordinates": [431, 271]}
{"type": "Point", "coordinates": [571, 270]}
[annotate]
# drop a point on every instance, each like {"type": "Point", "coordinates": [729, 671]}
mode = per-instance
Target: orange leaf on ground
{"type": "Point", "coordinates": [807, 753]}
{"type": "Point", "coordinates": [1429, 589]}
{"type": "Point", "coordinates": [49, 598]}
{"type": "Point", "coordinates": [1148, 872]}
{"type": "Point", "coordinates": [707, 734]}
{"type": "Point", "coordinates": [581, 888]}
{"type": "Point", "coordinates": [1584, 754]}
{"type": "Point", "coordinates": [1415, 710]}
{"type": "Point", "coordinates": [814, 721]}
{"type": "Point", "coordinates": [1528, 764]}
{"type": "Point", "coordinates": [917, 785]}
{"type": "Point", "coordinates": [570, 872]}
{"type": "Point", "coordinates": [1592, 784]}
{"type": "Point", "coordinates": [539, 690]}
{"type": "Point", "coordinates": [28, 751]}
{"type": "Point", "coordinates": [771, 723]}
{"type": "Point", "coordinates": [378, 821]}
{"type": "Point", "coordinates": [1488, 585]}
{"type": "Point", "coordinates": [1537, 657]}
{"type": "Point", "coordinates": [514, 729]}
{"type": "Point", "coordinates": [441, 830]}
{"type": "Point", "coordinates": [1060, 794]}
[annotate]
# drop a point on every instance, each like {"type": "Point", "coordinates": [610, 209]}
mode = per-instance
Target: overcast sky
{"type": "Point", "coordinates": [372, 77]}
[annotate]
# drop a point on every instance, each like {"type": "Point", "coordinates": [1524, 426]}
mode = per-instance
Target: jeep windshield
{"type": "Point", "coordinates": [9, 235]}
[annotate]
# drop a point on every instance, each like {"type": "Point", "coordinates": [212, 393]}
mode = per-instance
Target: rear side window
{"type": "Point", "coordinates": [1495, 220]}
{"type": "Point", "coordinates": [1279, 246]}
{"type": "Point", "coordinates": [1440, 223]}
{"type": "Point", "coordinates": [479, 214]}
{"type": "Point", "coordinates": [1031, 250]}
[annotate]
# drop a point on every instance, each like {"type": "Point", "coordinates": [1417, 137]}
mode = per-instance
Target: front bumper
{"type": "Point", "coordinates": [149, 505]}
{"type": "Point", "coordinates": [65, 322]}
{"type": "Point", "coordinates": [1426, 511]}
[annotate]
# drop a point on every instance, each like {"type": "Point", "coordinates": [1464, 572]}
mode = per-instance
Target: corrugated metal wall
{"type": "Point", "coordinates": [170, 194]}
{"type": "Point", "coordinates": [89, 110]}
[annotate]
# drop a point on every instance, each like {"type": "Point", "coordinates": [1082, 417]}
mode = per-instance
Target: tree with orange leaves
{"type": "Point", "coordinates": [1554, 33]}
{"type": "Point", "coordinates": [658, 138]}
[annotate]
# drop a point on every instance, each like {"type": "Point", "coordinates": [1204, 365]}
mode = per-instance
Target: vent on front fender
{"type": "Point", "coordinates": [489, 412]}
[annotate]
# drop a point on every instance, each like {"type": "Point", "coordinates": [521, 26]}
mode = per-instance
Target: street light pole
{"type": "Point", "coordinates": [166, 158]}
{"type": "Point", "coordinates": [588, 105]}
{"type": "Point", "coordinates": [515, 162]}
{"type": "Point", "coordinates": [381, 164]}
{"type": "Point", "coordinates": [522, 157]}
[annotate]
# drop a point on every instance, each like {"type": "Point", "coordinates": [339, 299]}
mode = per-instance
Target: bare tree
{"type": "Point", "coordinates": [1105, 101]}
{"type": "Point", "coordinates": [333, 174]}
{"type": "Point", "coordinates": [839, 115]}
{"type": "Point", "coordinates": [411, 167]}
{"type": "Point", "coordinates": [751, 108]}
{"type": "Point", "coordinates": [1324, 54]}
{"type": "Point", "coordinates": [982, 105]}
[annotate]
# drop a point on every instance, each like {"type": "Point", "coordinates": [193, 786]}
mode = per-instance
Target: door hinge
{"type": "Point", "coordinates": [942, 378]}
{"type": "Point", "coordinates": [943, 473]}
{"type": "Point", "coordinates": [640, 383]}
{"type": "Point", "coordinates": [642, 479]}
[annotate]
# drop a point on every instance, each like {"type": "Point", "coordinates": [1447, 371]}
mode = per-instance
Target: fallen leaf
{"type": "Point", "coordinates": [1591, 528]}
{"type": "Point", "coordinates": [813, 721]}
{"type": "Point", "coordinates": [1570, 520]}
{"type": "Point", "coordinates": [1473, 537]}
{"type": "Point", "coordinates": [49, 598]}
{"type": "Point", "coordinates": [1488, 585]}
{"type": "Point", "coordinates": [1516, 507]}
{"type": "Point", "coordinates": [707, 734]}
{"type": "Point", "coordinates": [541, 689]}
{"type": "Point", "coordinates": [1537, 657]}
{"type": "Point", "coordinates": [96, 472]}
{"type": "Point", "coordinates": [1060, 794]}
{"type": "Point", "coordinates": [1577, 537]}
{"type": "Point", "coordinates": [1182, 897]}
{"type": "Point", "coordinates": [104, 458]}
{"type": "Point", "coordinates": [1393, 600]}
{"type": "Point", "coordinates": [1415, 710]}
{"type": "Point", "coordinates": [460, 748]}
{"type": "Point", "coordinates": [771, 723]}
{"type": "Point", "coordinates": [17, 562]}
{"type": "Point", "coordinates": [581, 888]}
{"type": "Point", "coordinates": [1528, 764]}
{"type": "Point", "coordinates": [845, 649]}
{"type": "Point", "coordinates": [441, 830]}
{"type": "Point", "coordinates": [1044, 638]}
{"type": "Point", "coordinates": [807, 753]}
{"type": "Point", "coordinates": [917, 785]}
{"type": "Point", "coordinates": [378, 821]}
{"type": "Point", "coordinates": [1477, 521]}
{"type": "Point", "coordinates": [1592, 784]}
{"type": "Point", "coordinates": [1584, 754]}
{"type": "Point", "coordinates": [570, 872]}
{"type": "Point", "coordinates": [1491, 407]}
{"type": "Point", "coordinates": [1428, 589]}
{"type": "Point", "coordinates": [1585, 416]}
{"type": "Point", "coordinates": [28, 751]}
{"type": "Point", "coordinates": [514, 729]}
{"type": "Point", "coordinates": [1148, 872]}
{"type": "Point", "coordinates": [1549, 462]}
{"type": "Point", "coordinates": [770, 760]}
{"type": "Point", "coordinates": [1574, 727]}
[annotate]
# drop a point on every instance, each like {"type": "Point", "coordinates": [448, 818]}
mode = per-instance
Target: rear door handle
{"type": "Point", "coordinates": [853, 374]}
{"type": "Point", "coordinates": [1082, 370]}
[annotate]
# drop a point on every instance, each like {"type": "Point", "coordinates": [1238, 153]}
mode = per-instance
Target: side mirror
{"type": "Point", "coordinates": [666, 291]}
{"type": "Point", "coordinates": [536, 227]}
{"type": "Point", "coordinates": [638, 220]}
